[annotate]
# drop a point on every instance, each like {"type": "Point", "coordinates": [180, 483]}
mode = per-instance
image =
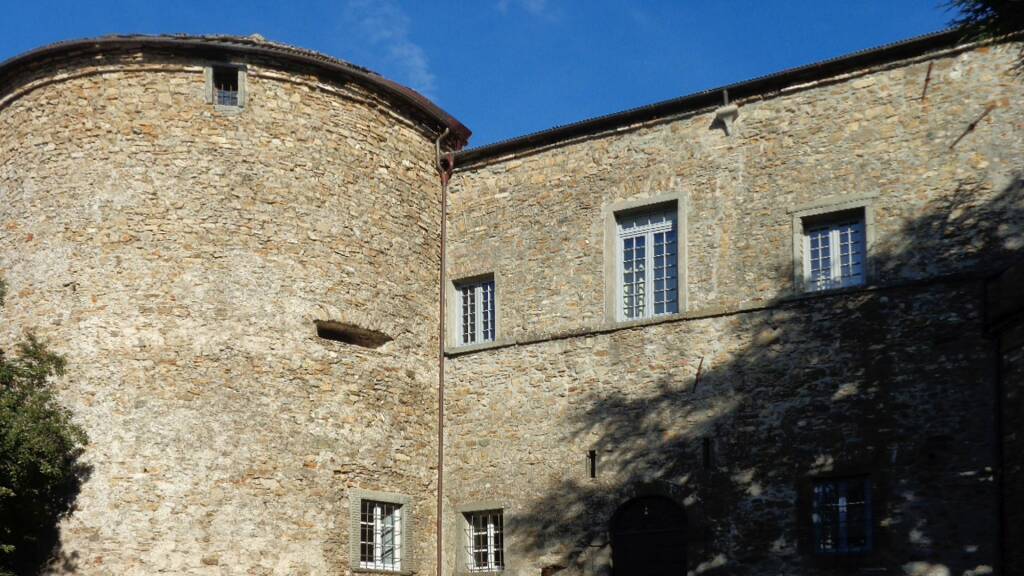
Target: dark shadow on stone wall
{"type": "Point", "coordinates": [895, 382]}
{"type": "Point", "coordinates": [41, 466]}
{"type": "Point", "coordinates": [50, 555]}
{"type": "Point", "coordinates": [38, 546]}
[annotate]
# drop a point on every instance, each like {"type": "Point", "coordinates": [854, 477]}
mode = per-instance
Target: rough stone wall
{"type": "Point", "coordinates": [535, 221]}
{"type": "Point", "coordinates": [895, 381]}
{"type": "Point", "coordinates": [809, 388]}
{"type": "Point", "coordinates": [178, 256]}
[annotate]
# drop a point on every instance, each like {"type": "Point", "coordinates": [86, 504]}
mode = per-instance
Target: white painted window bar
{"type": "Point", "coordinates": [477, 322]}
{"type": "Point", "coordinates": [485, 541]}
{"type": "Point", "coordinates": [648, 265]}
{"type": "Point", "coordinates": [380, 536]}
{"type": "Point", "coordinates": [834, 255]}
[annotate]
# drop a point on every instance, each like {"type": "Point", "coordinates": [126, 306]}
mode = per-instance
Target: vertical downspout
{"type": "Point", "coordinates": [445, 172]}
{"type": "Point", "coordinates": [1000, 458]}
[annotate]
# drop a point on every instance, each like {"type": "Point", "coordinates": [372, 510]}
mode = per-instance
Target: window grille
{"type": "Point", "coordinates": [485, 547]}
{"type": "Point", "coordinates": [225, 86]}
{"type": "Point", "coordinates": [477, 322]}
{"type": "Point", "coordinates": [648, 264]}
{"type": "Point", "coordinates": [380, 536]}
{"type": "Point", "coordinates": [842, 516]}
{"type": "Point", "coordinates": [834, 255]}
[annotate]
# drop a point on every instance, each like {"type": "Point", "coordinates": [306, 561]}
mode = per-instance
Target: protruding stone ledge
{"type": "Point", "coordinates": [351, 334]}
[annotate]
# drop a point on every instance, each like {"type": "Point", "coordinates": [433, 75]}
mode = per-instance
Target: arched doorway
{"type": "Point", "coordinates": [649, 538]}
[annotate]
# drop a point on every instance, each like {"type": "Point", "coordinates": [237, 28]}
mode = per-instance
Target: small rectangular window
{"type": "Point", "coordinates": [380, 536]}
{"type": "Point", "coordinates": [648, 264]}
{"type": "Point", "coordinates": [477, 320]}
{"type": "Point", "coordinates": [225, 85]}
{"type": "Point", "coordinates": [485, 546]}
{"type": "Point", "coordinates": [841, 516]}
{"type": "Point", "coordinates": [834, 251]}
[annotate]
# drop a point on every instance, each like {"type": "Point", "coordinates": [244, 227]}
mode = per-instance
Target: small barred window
{"type": "Point", "coordinates": [485, 547]}
{"type": "Point", "coordinates": [842, 516]}
{"type": "Point", "coordinates": [380, 536]}
{"type": "Point", "coordinates": [477, 321]}
{"type": "Point", "coordinates": [225, 85]}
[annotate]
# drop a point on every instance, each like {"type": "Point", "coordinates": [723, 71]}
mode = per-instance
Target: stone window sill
{"type": "Point", "coordinates": [228, 110]}
{"type": "Point", "coordinates": [616, 324]}
{"type": "Point", "coordinates": [805, 293]}
{"type": "Point", "coordinates": [467, 348]}
{"type": "Point", "coordinates": [708, 312]}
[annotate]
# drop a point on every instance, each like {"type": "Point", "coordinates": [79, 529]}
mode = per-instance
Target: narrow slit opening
{"type": "Point", "coordinates": [351, 334]}
{"type": "Point", "coordinates": [708, 453]}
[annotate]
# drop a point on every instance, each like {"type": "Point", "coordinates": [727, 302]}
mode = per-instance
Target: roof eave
{"type": "Point", "coordinates": [459, 133]}
{"type": "Point", "coordinates": [709, 98]}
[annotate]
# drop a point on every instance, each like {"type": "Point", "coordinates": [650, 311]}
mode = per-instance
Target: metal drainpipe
{"type": "Point", "coordinates": [445, 172]}
{"type": "Point", "coordinates": [1000, 458]}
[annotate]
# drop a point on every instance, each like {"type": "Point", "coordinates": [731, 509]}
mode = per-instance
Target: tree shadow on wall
{"type": "Point", "coordinates": [884, 382]}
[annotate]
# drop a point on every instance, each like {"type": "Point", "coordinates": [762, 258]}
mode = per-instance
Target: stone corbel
{"type": "Point", "coordinates": [725, 116]}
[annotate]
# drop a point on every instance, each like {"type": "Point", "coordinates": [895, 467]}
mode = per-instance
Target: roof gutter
{"type": "Point", "coordinates": [757, 87]}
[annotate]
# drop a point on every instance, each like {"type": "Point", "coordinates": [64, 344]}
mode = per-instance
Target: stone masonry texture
{"type": "Point", "coordinates": [895, 381]}
{"type": "Point", "coordinates": [179, 255]}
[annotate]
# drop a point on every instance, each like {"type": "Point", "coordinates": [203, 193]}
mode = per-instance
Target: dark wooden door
{"type": "Point", "coordinates": [649, 538]}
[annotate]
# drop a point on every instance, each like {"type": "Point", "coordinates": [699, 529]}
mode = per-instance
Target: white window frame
{"type": "Point", "coordinates": [465, 561]}
{"type": "Point", "coordinates": [673, 201]}
{"type": "Point", "coordinates": [832, 209]}
{"type": "Point", "coordinates": [648, 233]}
{"type": "Point", "coordinates": [838, 230]}
{"type": "Point", "coordinates": [402, 537]}
{"type": "Point", "coordinates": [495, 542]}
{"type": "Point", "coordinates": [481, 290]}
{"type": "Point", "coordinates": [386, 534]}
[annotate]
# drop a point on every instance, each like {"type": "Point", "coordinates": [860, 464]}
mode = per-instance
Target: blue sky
{"type": "Point", "coordinates": [509, 67]}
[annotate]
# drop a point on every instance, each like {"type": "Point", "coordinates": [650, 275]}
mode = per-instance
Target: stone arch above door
{"type": "Point", "coordinates": [596, 558]}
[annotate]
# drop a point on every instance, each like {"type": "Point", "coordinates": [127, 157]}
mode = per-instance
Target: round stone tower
{"type": "Point", "coordinates": [235, 244]}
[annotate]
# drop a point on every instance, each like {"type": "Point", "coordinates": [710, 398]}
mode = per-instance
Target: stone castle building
{"type": "Point", "coordinates": [772, 328]}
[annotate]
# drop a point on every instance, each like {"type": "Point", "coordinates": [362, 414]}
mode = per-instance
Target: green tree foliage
{"type": "Point", "coordinates": [39, 450]}
{"type": "Point", "coordinates": [988, 18]}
